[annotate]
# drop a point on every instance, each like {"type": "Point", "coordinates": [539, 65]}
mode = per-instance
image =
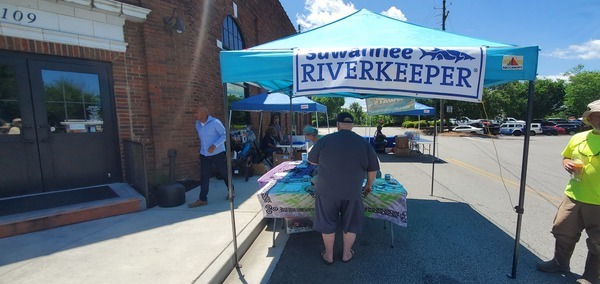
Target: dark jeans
{"type": "Point", "coordinates": [206, 162]}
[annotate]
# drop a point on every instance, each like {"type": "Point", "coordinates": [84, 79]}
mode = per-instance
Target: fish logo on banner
{"type": "Point", "coordinates": [453, 55]}
{"type": "Point", "coordinates": [424, 72]}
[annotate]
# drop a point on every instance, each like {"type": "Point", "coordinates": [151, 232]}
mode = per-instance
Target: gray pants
{"type": "Point", "coordinates": [572, 218]}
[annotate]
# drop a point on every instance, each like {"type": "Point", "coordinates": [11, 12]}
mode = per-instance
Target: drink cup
{"type": "Point", "coordinates": [388, 177]}
{"type": "Point", "coordinates": [578, 167]}
{"type": "Point", "coordinates": [304, 157]}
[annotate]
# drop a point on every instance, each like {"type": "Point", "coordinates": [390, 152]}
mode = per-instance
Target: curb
{"type": "Point", "coordinates": [222, 266]}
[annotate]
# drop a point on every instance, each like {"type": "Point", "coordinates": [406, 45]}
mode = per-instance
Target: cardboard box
{"type": "Point", "coordinates": [298, 155]}
{"type": "Point", "coordinates": [280, 158]}
{"type": "Point", "coordinates": [259, 169]}
{"type": "Point", "coordinates": [401, 152]}
{"type": "Point", "coordinates": [401, 141]}
{"type": "Point", "coordinates": [298, 225]}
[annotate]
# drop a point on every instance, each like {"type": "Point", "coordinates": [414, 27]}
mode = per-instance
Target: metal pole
{"type": "Point", "coordinates": [172, 153]}
{"type": "Point", "coordinates": [435, 130]}
{"type": "Point", "coordinates": [229, 177]}
{"type": "Point", "coordinates": [519, 208]}
{"type": "Point", "coordinates": [291, 127]}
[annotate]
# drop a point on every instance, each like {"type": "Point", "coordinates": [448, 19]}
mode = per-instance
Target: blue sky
{"type": "Point", "coordinates": [566, 31]}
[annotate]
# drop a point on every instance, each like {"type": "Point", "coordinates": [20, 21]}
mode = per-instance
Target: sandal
{"type": "Point", "coordinates": [348, 260]}
{"type": "Point", "coordinates": [325, 260]}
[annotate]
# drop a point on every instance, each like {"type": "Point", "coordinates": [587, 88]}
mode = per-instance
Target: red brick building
{"type": "Point", "coordinates": [83, 76]}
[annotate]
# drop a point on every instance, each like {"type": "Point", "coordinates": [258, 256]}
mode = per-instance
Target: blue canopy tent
{"type": "Point", "coordinates": [396, 106]}
{"type": "Point", "coordinates": [419, 109]}
{"type": "Point", "coordinates": [277, 102]}
{"type": "Point", "coordinates": [366, 55]}
{"type": "Point", "coordinates": [270, 65]}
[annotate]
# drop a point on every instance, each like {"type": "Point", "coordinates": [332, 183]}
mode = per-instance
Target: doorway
{"type": "Point", "coordinates": [57, 124]}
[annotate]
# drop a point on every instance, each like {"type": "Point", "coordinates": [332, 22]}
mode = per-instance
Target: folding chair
{"type": "Point", "coordinates": [243, 161]}
{"type": "Point", "coordinates": [260, 156]}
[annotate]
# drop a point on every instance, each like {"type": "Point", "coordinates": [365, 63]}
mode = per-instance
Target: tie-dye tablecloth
{"type": "Point", "coordinates": [295, 198]}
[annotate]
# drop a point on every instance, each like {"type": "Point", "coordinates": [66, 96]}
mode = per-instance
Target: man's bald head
{"type": "Point", "coordinates": [202, 114]}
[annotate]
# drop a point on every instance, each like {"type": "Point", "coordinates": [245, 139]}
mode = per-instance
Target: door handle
{"type": "Point", "coordinates": [49, 137]}
{"type": "Point", "coordinates": [22, 134]}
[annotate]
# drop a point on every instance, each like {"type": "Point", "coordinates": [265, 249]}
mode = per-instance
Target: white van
{"type": "Point", "coordinates": [516, 128]}
{"type": "Point", "coordinates": [536, 128]}
{"type": "Point", "coordinates": [512, 128]}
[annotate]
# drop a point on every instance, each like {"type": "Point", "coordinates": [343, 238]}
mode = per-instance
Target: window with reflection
{"type": "Point", "coordinates": [72, 101]}
{"type": "Point", "coordinates": [10, 112]}
{"type": "Point", "coordinates": [232, 40]}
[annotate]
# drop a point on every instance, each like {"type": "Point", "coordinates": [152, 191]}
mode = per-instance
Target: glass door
{"type": "Point", "coordinates": [68, 134]}
{"type": "Point", "coordinates": [19, 157]}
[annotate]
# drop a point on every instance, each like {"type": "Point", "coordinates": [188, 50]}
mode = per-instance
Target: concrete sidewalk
{"type": "Point", "coordinates": [158, 245]}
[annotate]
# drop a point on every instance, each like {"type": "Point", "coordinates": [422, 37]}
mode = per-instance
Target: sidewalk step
{"type": "Point", "coordinates": [128, 201]}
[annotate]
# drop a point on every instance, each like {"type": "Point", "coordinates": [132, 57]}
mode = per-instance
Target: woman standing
{"type": "Point", "coordinates": [276, 124]}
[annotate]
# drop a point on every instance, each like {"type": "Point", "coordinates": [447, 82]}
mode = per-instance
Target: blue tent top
{"type": "Point", "coordinates": [419, 109]}
{"type": "Point", "coordinates": [277, 102]}
{"type": "Point", "coordinates": [365, 28]}
{"type": "Point", "coordinates": [270, 65]}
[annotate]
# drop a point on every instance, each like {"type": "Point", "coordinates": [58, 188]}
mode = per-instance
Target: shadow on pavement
{"type": "Point", "coordinates": [413, 157]}
{"type": "Point", "coordinates": [445, 242]}
{"type": "Point", "coordinates": [42, 243]}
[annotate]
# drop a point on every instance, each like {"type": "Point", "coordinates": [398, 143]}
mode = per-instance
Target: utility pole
{"type": "Point", "coordinates": [442, 111]}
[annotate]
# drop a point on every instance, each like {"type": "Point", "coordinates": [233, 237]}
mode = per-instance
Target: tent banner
{"type": "Point", "coordinates": [376, 106]}
{"type": "Point", "coordinates": [431, 72]}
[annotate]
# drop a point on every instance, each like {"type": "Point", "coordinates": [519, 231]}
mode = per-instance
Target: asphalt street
{"type": "Point", "coordinates": [462, 233]}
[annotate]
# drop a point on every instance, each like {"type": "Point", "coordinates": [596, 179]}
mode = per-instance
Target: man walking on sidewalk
{"type": "Point", "coordinates": [212, 152]}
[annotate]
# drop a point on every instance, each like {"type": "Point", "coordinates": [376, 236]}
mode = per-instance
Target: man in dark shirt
{"type": "Point", "coordinates": [344, 159]}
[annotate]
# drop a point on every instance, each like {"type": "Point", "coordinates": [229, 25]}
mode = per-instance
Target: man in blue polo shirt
{"type": "Point", "coordinates": [212, 152]}
{"type": "Point", "coordinates": [344, 159]}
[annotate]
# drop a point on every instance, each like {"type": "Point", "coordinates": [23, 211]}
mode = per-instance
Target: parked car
{"type": "Point", "coordinates": [535, 128]}
{"type": "Point", "coordinates": [560, 130]}
{"type": "Point", "coordinates": [468, 129]}
{"type": "Point", "coordinates": [570, 128]}
{"type": "Point", "coordinates": [549, 130]}
{"type": "Point", "coordinates": [512, 120]}
{"type": "Point", "coordinates": [557, 120]}
{"type": "Point", "coordinates": [512, 128]}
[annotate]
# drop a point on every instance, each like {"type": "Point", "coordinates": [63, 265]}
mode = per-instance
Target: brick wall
{"type": "Point", "coordinates": [182, 71]}
{"type": "Point", "coordinates": [163, 76]}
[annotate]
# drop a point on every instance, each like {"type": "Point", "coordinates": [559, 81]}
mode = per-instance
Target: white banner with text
{"type": "Point", "coordinates": [425, 72]}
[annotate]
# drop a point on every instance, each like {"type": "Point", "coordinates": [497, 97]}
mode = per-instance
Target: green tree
{"type": "Point", "coordinates": [548, 97]}
{"type": "Point", "coordinates": [583, 89]}
{"type": "Point", "coordinates": [334, 105]}
{"type": "Point", "coordinates": [356, 110]}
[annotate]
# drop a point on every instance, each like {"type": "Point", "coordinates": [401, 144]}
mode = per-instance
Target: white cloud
{"type": "Point", "coordinates": [395, 13]}
{"type": "Point", "coordinates": [586, 51]}
{"type": "Point", "coordinates": [322, 12]}
{"type": "Point", "coordinates": [555, 77]}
